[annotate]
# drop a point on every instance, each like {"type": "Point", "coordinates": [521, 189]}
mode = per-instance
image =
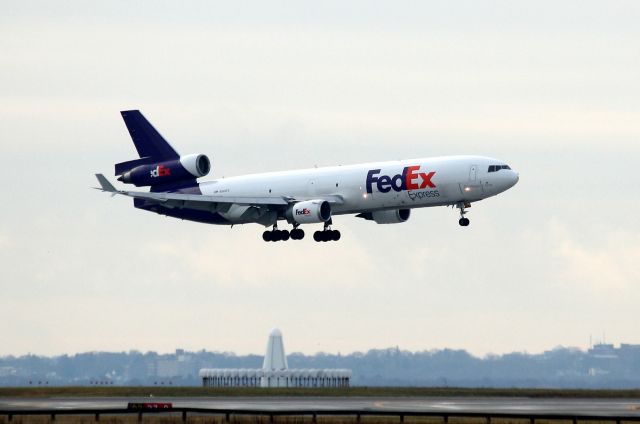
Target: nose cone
{"type": "Point", "coordinates": [513, 179]}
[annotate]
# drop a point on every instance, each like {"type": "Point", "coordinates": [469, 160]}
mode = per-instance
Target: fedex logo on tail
{"type": "Point", "coordinates": [160, 171]}
{"type": "Point", "coordinates": [410, 179]}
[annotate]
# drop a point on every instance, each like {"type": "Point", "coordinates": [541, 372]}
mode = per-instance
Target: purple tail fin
{"type": "Point", "coordinates": [148, 141]}
{"type": "Point", "coordinates": [153, 149]}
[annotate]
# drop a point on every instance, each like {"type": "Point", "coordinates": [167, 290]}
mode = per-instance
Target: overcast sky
{"type": "Point", "coordinates": [550, 87]}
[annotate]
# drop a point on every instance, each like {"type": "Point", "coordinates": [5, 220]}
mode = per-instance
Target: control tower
{"type": "Point", "coordinates": [275, 372]}
{"type": "Point", "coordinates": [274, 358]}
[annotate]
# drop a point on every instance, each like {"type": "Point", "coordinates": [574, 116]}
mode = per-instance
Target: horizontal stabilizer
{"type": "Point", "coordinates": [105, 184]}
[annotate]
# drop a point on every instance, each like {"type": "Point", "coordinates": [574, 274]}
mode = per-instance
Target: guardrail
{"type": "Point", "coordinates": [315, 413]}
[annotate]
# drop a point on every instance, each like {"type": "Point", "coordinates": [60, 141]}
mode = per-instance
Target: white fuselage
{"type": "Point", "coordinates": [379, 186]}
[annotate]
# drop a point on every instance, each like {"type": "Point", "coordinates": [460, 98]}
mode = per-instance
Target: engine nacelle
{"type": "Point", "coordinates": [309, 212]}
{"type": "Point", "coordinates": [171, 171]}
{"type": "Point", "coordinates": [395, 216]}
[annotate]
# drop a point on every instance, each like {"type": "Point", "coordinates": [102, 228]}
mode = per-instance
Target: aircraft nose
{"type": "Point", "coordinates": [515, 177]}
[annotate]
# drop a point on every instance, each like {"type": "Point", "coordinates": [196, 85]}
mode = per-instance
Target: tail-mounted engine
{"type": "Point", "coordinates": [309, 212]}
{"type": "Point", "coordinates": [142, 173]}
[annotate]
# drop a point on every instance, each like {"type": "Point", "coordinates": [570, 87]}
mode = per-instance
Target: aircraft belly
{"type": "Point", "coordinates": [202, 216]}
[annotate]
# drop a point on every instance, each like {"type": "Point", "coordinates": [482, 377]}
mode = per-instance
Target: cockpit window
{"type": "Point", "coordinates": [494, 168]}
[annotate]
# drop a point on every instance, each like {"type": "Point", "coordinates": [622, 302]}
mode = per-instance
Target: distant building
{"type": "Point", "coordinates": [275, 372]}
{"type": "Point", "coordinates": [609, 351]}
{"type": "Point", "coordinates": [181, 365]}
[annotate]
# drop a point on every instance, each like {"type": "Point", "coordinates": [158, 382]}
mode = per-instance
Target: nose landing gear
{"type": "Point", "coordinates": [464, 222]}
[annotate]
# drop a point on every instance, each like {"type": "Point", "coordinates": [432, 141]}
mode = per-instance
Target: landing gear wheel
{"type": "Point", "coordinates": [326, 235]}
{"type": "Point", "coordinates": [266, 236]}
{"type": "Point", "coordinates": [464, 222]}
{"type": "Point", "coordinates": [284, 235]}
{"type": "Point", "coordinates": [297, 234]}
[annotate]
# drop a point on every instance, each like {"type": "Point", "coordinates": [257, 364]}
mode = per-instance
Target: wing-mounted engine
{"type": "Point", "coordinates": [146, 172]}
{"type": "Point", "coordinates": [394, 216]}
{"type": "Point", "coordinates": [309, 212]}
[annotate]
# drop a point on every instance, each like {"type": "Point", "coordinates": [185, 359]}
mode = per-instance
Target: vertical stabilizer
{"type": "Point", "coordinates": [148, 141]}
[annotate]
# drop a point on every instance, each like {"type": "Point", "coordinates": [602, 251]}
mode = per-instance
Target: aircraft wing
{"type": "Point", "coordinates": [197, 201]}
{"type": "Point", "coordinates": [179, 199]}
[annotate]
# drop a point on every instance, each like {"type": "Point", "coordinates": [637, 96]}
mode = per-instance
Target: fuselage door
{"type": "Point", "coordinates": [472, 189]}
{"type": "Point", "coordinates": [473, 174]}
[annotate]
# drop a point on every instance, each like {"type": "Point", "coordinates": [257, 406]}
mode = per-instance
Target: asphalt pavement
{"type": "Point", "coordinates": [629, 407]}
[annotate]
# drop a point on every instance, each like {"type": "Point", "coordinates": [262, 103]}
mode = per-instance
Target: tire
{"type": "Point", "coordinates": [317, 236]}
{"type": "Point", "coordinates": [335, 235]}
{"type": "Point", "coordinates": [300, 234]}
{"type": "Point", "coordinates": [284, 235]}
{"type": "Point", "coordinates": [266, 236]}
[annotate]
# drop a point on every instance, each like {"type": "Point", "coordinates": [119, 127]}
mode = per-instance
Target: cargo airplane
{"type": "Point", "coordinates": [382, 192]}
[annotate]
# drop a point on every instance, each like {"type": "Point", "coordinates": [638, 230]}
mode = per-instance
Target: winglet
{"type": "Point", "coordinates": [105, 184]}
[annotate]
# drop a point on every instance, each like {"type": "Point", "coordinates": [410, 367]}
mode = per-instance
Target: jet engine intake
{"type": "Point", "coordinates": [309, 212]}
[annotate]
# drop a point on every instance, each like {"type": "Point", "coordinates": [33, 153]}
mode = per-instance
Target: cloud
{"type": "Point", "coordinates": [5, 242]}
{"type": "Point", "coordinates": [610, 262]}
{"type": "Point", "coordinates": [243, 258]}
{"type": "Point", "coordinates": [263, 88]}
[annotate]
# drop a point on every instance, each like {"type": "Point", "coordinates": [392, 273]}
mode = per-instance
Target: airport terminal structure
{"type": "Point", "coordinates": [275, 372]}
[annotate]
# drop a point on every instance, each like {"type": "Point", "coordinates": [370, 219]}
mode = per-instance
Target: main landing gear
{"type": "Point", "coordinates": [283, 235]}
{"type": "Point", "coordinates": [464, 222]}
{"type": "Point", "coordinates": [327, 234]}
{"type": "Point", "coordinates": [298, 234]}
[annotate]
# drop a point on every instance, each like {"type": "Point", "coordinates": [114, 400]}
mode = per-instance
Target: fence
{"type": "Point", "coordinates": [315, 413]}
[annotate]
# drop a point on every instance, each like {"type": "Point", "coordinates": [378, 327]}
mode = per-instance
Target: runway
{"type": "Point", "coordinates": [622, 407]}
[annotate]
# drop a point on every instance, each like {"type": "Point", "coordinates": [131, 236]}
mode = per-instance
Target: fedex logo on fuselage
{"type": "Point", "coordinates": [410, 179]}
{"type": "Point", "coordinates": [160, 171]}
